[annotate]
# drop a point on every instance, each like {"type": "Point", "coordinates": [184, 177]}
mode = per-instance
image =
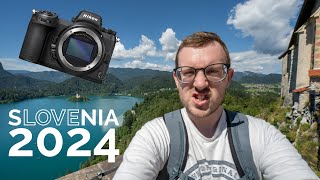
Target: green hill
{"type": "Point", "coordinates": [145, 84]}
{"type": "Point", "coordinates": [22, 82]}
{"type": "Point", "coordinates": [137, 82]}
{"type": "Point", "coordinates": [10, 81]}
{"type": "Point", "coordinates": [4, 73]}
{"type": "Point", "coordinates": [109, 86]}
{"type": "Point", "coordinates": [266, 79]}
{"type": "Point", "coordinates": [128, 73]}
{"type": "Point", "coordinates": [17, 87]}
{"type": "Point", "coordinates": [52, 76]}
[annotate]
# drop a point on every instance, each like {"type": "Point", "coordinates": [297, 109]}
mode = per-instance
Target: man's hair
{"type": "Point", "coordinates": [201, 39]}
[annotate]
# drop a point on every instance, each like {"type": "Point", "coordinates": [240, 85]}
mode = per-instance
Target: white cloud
{"type": "Point", "coordinates": [267, 21]}
{"type": "Point", "coordinates": [17, 64]}
{"type": "Point", "coordinates": [241, 61]}
{"type": "Point", "coordinates": [141, 56]}
{"type": "Point", "coordinates": [171, 56]}
{"type": "Point", "coordinates": [147, 65]}
{"type": "Point", "coordinates": [147, 48]}
{"type": "Point", "coordinates": [169, 41]}
{"type": "Point", "coordinates": [255, 62]}
{"type": "Point", "coordinates": [169, 44]}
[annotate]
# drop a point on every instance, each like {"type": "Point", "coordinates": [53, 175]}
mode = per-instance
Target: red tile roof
{"type": "Point", "coordinates": [314, 73]}
{"type": "Point", "coordinates": [300, 89]}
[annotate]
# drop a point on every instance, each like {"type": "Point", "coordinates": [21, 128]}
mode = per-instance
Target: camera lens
{"type": "Point", "coordinates": [79, 49]}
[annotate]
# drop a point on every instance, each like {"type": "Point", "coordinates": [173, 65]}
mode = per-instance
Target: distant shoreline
{"type": "Point", "coordinates": [9, 101]}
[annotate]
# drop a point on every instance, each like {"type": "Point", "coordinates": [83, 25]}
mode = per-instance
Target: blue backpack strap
{"type": "Point", "coordinates": [177, 159]}
{"type": "Point", "coordinates": [238, 135]}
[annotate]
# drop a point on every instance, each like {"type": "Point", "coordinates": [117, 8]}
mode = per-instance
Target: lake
{"type": "Point", "coordinates": [40, 166]}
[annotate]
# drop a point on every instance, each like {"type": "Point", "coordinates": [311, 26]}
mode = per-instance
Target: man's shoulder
{"type": "Point", "coordinates": [260, 130]}
{"type": "Point", "coordinates": [262, 133]}
{"type": "Point", "coordinates": [156, 122]}
{"type": "Point", "coordinates": [153, 135]}
{"type": "Point", "coordinates": [255, 122]}
{"type": "Point", "coordinates": [154, 127]}
{"type": "Point", "coordinates": [159, 121]}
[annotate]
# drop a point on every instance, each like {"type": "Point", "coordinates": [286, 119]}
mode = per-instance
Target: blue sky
{"type": "Point", "coordinates": [255, 31]}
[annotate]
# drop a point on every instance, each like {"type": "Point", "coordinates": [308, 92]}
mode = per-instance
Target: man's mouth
{"type": "Point", "coordinates": [200, 99]}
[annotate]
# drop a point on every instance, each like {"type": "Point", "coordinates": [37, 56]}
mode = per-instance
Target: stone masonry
{"type": "Point", "coordinates": [90, 173]}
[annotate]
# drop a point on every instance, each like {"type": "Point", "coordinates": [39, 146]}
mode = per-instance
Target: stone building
{"type": "Point", "coordinates": [300, 84]}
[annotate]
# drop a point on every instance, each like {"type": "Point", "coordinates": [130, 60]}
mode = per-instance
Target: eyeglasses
{"type": "Point", "coordinates": [213, 72]}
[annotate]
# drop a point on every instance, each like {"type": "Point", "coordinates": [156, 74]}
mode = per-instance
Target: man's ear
{"type": "Point", "coordinates": [175, 79]}
{"type": "Point", "coordinates": [230, 75]}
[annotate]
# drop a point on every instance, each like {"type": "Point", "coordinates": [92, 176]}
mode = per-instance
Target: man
{"type": "Point", "coordinates": [202, 75]}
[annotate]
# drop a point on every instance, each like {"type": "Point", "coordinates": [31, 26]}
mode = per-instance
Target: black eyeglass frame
{"type": "Point", "coordinates": [204, 72]}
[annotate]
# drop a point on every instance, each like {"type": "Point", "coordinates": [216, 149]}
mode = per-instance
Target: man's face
{"type": "Point", "coordinates": [201, 97]}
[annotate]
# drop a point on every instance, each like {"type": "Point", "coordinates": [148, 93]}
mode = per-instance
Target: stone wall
{"type": "Point", "coordinates": [316, 62]}
{"type": "Point", "coordinates": [90, 173]}
{"type": "Point", "coordinates": [285, 74]}
{"type": "Point", "coordinates": [293, 68]}
{"type": "Point", "coordinates": [300, 86]}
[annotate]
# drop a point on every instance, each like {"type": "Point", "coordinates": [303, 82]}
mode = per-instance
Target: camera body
{"type": "Point", "coordinates": [82, 48]}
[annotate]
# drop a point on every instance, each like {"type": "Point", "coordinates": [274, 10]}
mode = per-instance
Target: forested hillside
{"type": "Point", "coordinates": [17, 88]}
{"type": "Point", "coordinates": [21, 85]}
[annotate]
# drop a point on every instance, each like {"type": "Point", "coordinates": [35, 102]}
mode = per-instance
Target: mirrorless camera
{"type": "Point", "coordinates": [82, 47]}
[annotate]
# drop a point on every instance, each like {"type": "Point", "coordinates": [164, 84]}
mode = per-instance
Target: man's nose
{"type": "Point", "coordinates": [200, 81]}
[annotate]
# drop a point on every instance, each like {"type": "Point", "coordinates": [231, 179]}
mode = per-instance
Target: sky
{"type": "Point", "coordinates": [256, 32]}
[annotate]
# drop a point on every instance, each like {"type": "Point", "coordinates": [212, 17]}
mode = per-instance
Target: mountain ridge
{"type": "Point", "coordinates": [125, 74]}
{"type": "Point", "coordinates": [4, 73]}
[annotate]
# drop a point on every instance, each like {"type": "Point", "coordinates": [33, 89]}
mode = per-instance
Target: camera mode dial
{"type": "Point", "coordinates": [45, 17]}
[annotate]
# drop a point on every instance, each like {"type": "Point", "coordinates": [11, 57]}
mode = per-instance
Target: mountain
{"type": "Point", "coordinates": [110, 85]}
{"type": "Point", "coordinates": [18, 72]}
{"type": "Point", "coordinates": [18, 88]}
{"type": "Point", "coordinates": [21, 82]}
{"type": "Point", "coordinates": [129, 73]}
{"type": "Point", "coordinates": [10, 81]}
{"type": "Point", "coordinates": [4, 73]}
{"type": "Point", "coordinates": [124, 79]}
{"type": "Point", "coordinates": [239, 75]}
{"type": "Point", "coordinates": [265, 79]}
{"type": "Point", "coordinates": [143, 84]}
{"type": "Point", "coordinates": [121, 73]}
{"type": "Point", "coordinates": [52, 76]}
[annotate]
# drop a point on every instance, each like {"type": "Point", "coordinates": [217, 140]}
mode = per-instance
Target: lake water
{"type": "Point", "coordinates": [40, 166]}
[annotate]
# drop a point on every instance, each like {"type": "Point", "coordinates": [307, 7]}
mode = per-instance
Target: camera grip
{"type": "Point", "coordinates": [33, 42]}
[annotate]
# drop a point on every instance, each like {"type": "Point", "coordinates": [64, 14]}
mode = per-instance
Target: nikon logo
{"type": "Point", "coordinates": [90, 17]}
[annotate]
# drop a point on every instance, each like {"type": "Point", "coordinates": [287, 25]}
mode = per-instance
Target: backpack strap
{"type": "Point", "coordinates": [238, 135]}
{"type": "Point", "coordinates": [176, 162]}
